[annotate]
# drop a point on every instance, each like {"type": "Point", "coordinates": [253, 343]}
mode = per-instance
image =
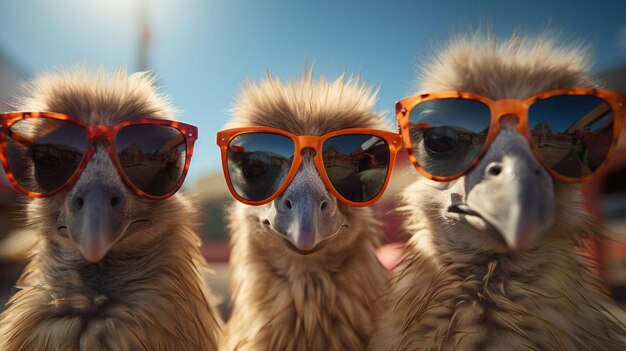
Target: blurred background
{"type": "Point", "coordinates": [202, 51]}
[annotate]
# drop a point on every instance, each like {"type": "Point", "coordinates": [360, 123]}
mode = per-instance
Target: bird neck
{"type": "Point", "coordinates": [156, 300]}
{"type": "Point", "coordinates": [119, 274]}
{"type": "Point", "coordinates": [545, 297]}
{"type": "Point", "coordinates": [325, 301]}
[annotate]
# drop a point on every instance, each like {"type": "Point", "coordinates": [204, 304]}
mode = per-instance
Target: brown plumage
{"type": "Point", "coordinates": [457, 288]}
{"type": "Point", "coordinates": [148, 292]}
{"type": "Point", "coordinates": [284, 300]}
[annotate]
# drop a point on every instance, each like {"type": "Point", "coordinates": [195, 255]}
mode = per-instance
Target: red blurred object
{"type": "Point", "coordinates": [216, 251]}
{"type": "Point", "coordinates": [390, 255]}
{"type": "Point", "coordinates": [602, 250]}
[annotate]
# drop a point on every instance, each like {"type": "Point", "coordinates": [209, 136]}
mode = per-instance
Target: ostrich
{"type": "Point", "coordinates": [302, 298]}
{"type": "Point", "coordinates": [492, 263]}
{"type": "Point", "coordinates": [111, 270]}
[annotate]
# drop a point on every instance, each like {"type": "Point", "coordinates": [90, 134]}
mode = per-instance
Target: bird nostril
{"type": "Point", "coordinates": [266, 222]}
{"type": "Point", "coordinates": [115, 201]}
{"type": "Point", "coordinates": [288, 204]}
{"type": "Point", "coordinates": [324, 205]}
{"type": "Point", "coordinates": [494, 169]}
{"type": "Point", "coordinates": [78, 203]}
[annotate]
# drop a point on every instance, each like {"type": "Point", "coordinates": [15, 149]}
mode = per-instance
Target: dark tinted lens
{"type": "Point", "coordinates": [357, 165]}
{"type": "Point", "coordinates": [448, 134]}
{"type": "Point", "coordinates": [572, 132]}
{"type": "Point", "coordinates": [152, 156]}
{"type": "Point", "coordinates": [258, 164]}
{"type": "Point", "coordinates": [43, 153]}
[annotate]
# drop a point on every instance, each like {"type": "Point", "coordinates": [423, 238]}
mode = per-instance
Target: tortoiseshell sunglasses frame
{"type": "Point", "coordinates": [300, 142]}
{"type": "Point", "coordinates": [505, 107]}
{"type": "Point", "coordinates": [93, 132]}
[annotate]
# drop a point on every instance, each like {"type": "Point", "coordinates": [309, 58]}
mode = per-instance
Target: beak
{"type": "Point", "coordinates": [96, 221]}
{"type": "Point", "coordinates": [512, 191]}
{"type": "Point", "coordinates": [303, 230]}
{"type": "Point", "coordinates": [306, 214]}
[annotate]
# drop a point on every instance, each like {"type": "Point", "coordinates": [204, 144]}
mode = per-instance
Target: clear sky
{"type": "Point", "coordinates": [203, 50]}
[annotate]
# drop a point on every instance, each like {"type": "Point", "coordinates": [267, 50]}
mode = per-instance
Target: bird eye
{"type": "Point", "coordinates": [254, 165]}
{"type": "Point", "coordinates": [440, 140]}
{"type": "Point", "coordinates": [45, 158]}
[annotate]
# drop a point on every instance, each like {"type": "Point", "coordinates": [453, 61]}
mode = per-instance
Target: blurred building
{"type": "Point", "coordinates": [214, 198]}
{"type": "Point", "coordinates": [12, 247]}
{"type": "Point", "coordinates": [606, 198]}
{"type": "Point", "coordinates": [10, 77]}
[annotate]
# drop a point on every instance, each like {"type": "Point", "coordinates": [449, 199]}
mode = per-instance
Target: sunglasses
{"type": "Point", "coordinates": [44, 153]}
{"type": "Point", "coordinates": [572, 132]}
{"type": "Point", "coordinates": [260, 162]}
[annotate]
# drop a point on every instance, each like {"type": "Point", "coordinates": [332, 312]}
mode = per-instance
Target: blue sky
{"type": "Point", "coordinates": [203, 50]}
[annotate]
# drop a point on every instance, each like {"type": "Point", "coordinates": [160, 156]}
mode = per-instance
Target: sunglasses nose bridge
{"type": "Point", "coordinates": [100, 132]}
{"type": "Point", "coordinates": [507, 111]}
{"type": "Point", "coordinates": [508, 114]}
{"type": "Point", "coordinates": [307, 142]}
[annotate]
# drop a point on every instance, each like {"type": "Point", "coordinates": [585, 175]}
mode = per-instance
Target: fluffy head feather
{"type": "Point", "coordinates": [515, 68]}
{"type": "Point", "coordinates": [306, 106]}
{"type": "Point", "coordinates": [96, 97]}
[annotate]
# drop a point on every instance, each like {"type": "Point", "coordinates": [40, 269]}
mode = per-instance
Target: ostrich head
{"type": "Point", "coordinates": [306, 216]}
{"type": "Point", "coordinates": [508, 202]}
{"type": "Point", "coordinates": [99, 216]}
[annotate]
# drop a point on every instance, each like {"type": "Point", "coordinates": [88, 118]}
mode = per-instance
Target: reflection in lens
{"type": "Point", "coordinates": [152, 156]}
{"type": "Point", "coordinates": [258, 164]}
{"type": "Point", "coordinates": [44, 153]}
{"type": "Point", "coordinates": [573, 133]}
{"type": "Point", "coordinates": [448, 134]}
{"type": "Point", "coordinates": [357, 165]}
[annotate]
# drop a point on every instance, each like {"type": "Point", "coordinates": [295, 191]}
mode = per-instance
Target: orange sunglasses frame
{"type": "Point", "coordinates": [505, 107]}
{"type": "Point", "coordinates": [302, 142]}
{"type": "Point", "coordinates": [189, 132]}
